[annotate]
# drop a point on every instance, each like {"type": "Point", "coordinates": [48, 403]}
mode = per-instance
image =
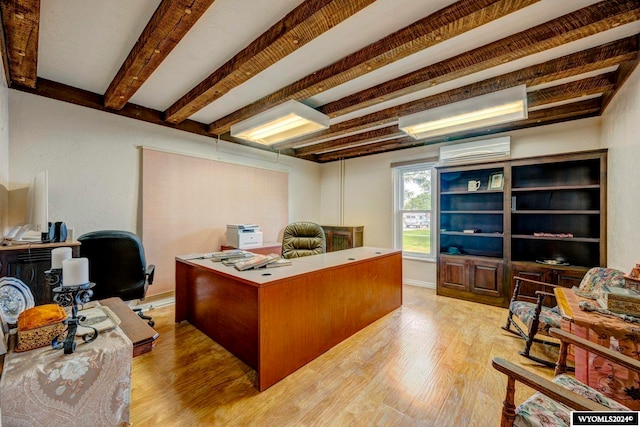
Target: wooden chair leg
{"type": "Point", "coordinates": [508, 406]}
{"type": "Point", "coordinates": [507, 327]}
{"type": "Point", "coordinates": [533, 327]}
{"type": "Point", "coordinates": [561, 366]}
{"type": "Point", "coordinates": [516, 292]}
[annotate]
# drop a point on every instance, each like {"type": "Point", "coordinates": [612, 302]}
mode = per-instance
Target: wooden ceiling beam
{"type": "Point", "coordinates": [596, 58]}
{"type": "Point", "coordinates": [582, 109]}
{"type": "Point", "coordinates": [580, 88]}
{"type": "Point", "coordinates": [169, 24]}
{"type": "Point", "coordinates": [622, 73]}
{"type": "Point", "coordinates": [584, 22]}
{"type": "Point", "coordinates": [306, 22]}
{"type": "Point", "coordinates": [84, 98]}
{"type": "Point", "coordinates": [21, 21]}
{"type": "Point", "coordinates": [444, 24]}
{"type": "Point", "coordinates": [361, 138]}
{"type": "Point", "coordinates": [4, 52]}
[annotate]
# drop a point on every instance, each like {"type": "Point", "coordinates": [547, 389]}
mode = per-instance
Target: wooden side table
{"type": "Point", "coordinates": [136, 329]}
{"type": "Point", "coordinates": [89, 387]}
{"type": "Point", "coordinates": [609, 378]}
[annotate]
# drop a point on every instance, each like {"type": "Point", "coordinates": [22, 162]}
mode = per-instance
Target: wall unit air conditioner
{"type": "Point", "coordinates": [476, 151]}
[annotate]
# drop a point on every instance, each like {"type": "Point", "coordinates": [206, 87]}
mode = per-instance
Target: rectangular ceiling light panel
{"type": "Point", "coordinates": [288, 120]}
{"type": "Point", "coordinates": [494, 108]}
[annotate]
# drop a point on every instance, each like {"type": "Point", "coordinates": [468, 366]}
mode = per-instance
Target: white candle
{"type": "Point", "coordinates": [58, 255]}
{"type": "Point", "coordinates": [75, 271]}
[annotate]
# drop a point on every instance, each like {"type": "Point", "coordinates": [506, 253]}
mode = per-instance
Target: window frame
{"type": "Point", "coordinates": [398, 211]}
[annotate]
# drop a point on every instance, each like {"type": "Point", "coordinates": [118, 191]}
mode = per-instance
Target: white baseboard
{"type": "Point", "coordinates": [419, 283]}
{"type": "Point", "coordinates": [149, 305]}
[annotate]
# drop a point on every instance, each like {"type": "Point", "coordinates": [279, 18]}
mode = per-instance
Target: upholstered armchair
{"type": "Point", "coordinates": [532, 320]}
{"type": "Point", "coordinates": [302, 239]}
{"type": "Point", "coordinates": [555, 399]}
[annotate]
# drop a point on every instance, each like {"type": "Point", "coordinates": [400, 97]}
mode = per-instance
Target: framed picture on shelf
{"type": "Point", "coordinates": [496, 181]}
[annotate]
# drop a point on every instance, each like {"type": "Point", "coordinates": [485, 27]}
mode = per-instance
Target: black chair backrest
{"type": "Point", "coordinates": [303, 238]}
{"type": "Point", "coordinates": [117, 264]}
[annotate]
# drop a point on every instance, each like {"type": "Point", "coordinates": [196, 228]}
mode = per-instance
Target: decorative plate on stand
{"type": "Point", "coordinates": [551, 262]}
{"type": "Point", "coordinates": [15, 297]}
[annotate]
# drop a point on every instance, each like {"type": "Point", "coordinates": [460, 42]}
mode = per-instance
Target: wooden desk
{"type": "Point", "coordinates": [607, 331]}
{"type": "Point", "coordinates": [91, 387]}
{"type": "Point", "coordinates": [277, 320]}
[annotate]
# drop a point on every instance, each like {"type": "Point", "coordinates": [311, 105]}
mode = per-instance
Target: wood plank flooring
{"type": "Point", "coordinates": [426, 364]}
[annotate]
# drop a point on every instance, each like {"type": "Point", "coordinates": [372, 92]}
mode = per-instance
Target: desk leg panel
{"type": "Point", "coordinates": [226, 310]}
{"type": "Point", "coordinates": [182, 273]}
{"type": "Point", "coordinates": [306, 316]}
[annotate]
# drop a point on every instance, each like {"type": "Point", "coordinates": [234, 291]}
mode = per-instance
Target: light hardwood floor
{"type": "Point", "coordinates": [426, 364]}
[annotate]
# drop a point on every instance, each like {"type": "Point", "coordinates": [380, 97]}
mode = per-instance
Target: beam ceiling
{"type": "Point", "coordinates": [299, 27]}
{"type": "Point", "coordinates": [171, 21]}
{"type": "Point", "coordinates": [444, 24]}
{"type": "Point", "coordinates": [593, 48]}
{"type": "Point", "coordinates": [597, 58]}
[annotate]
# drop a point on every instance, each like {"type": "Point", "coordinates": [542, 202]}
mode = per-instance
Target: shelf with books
{"type": "Point", "coordinates": [566, 239]}
{"type": "Point", "coordinates": [549, 207]}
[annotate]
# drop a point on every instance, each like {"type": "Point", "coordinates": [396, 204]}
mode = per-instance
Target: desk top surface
{"type": "Point", "coordinates": [302, 265]}
{"type": "Point", "coordinates": [13, 246]}
{"type": "Point", "coordinates": [135, 328]}
{"type": "Point", "coordinates": [568, 305]}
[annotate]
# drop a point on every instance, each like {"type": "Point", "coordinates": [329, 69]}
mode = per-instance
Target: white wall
{"type": "Point", "coordinates": [94, 169]}
{"type": "Point", "coordinates": [4, 151]}
{"type": "Point", "coordinates": [94, 163]}
{"type": "Point", "coordinates": [368, 201]}
{"type": "Point", "coordinates": [621, 135]}
{"type": "Point", "coordinates": [368, 189]}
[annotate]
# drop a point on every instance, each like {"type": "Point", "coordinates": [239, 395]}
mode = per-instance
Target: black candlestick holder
{"type": "Point", "coordinates": [74, 296]}
{"type": "Point", "coordinates": [53, 277]}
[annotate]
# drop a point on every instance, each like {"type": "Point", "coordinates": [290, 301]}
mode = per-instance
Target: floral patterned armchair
{"type": "Point", "coordinates": [529, 320]}
{"type": "Point", "coordinates": [553, 403]}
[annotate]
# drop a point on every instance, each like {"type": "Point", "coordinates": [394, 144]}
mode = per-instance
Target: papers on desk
{"type": "Point", "coordinates": [257, 261]}
{"type": "Point", "coordinates": [231, 254]}
{"type": "Point", "coordinates": [279, 263]}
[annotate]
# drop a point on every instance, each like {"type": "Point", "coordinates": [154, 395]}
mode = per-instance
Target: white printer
{"type": "Point", "coordinates": [244, 236]}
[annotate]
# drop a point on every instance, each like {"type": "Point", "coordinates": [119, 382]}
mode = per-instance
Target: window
{"type": "Point", "coordinates": [413, 211]}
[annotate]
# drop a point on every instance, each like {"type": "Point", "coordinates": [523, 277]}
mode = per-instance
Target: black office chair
{"type": "Point", "coordinates": [303, 238]}
{"type": "Point", "coordinates": [117, 266]}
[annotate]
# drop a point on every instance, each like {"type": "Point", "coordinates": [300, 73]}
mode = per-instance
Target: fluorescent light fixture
{"type": "Point", "coordinates": [486, 110]}
{"type": "Point", "coordinates": [288, 120]}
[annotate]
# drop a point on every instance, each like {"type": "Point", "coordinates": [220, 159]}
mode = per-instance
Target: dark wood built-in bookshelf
{"type": "Point", "coordinates": [549, 208]}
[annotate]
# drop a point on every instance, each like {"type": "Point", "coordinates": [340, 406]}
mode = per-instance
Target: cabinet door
{"type": "Point", "coordinates": [454, 273]}
{"type": "Point", "coordinates": [533, 272]}
{"type": "Point", "coordinates": [568, 278]}
{"type": "Point", "coordinates": [487, 277]}
{"type": "Point", "coordinates": [29, 266]}
{"type": "Point", "coordinates": [338, 240]}
{"type": "Point", "coordinates": [32, 274]}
